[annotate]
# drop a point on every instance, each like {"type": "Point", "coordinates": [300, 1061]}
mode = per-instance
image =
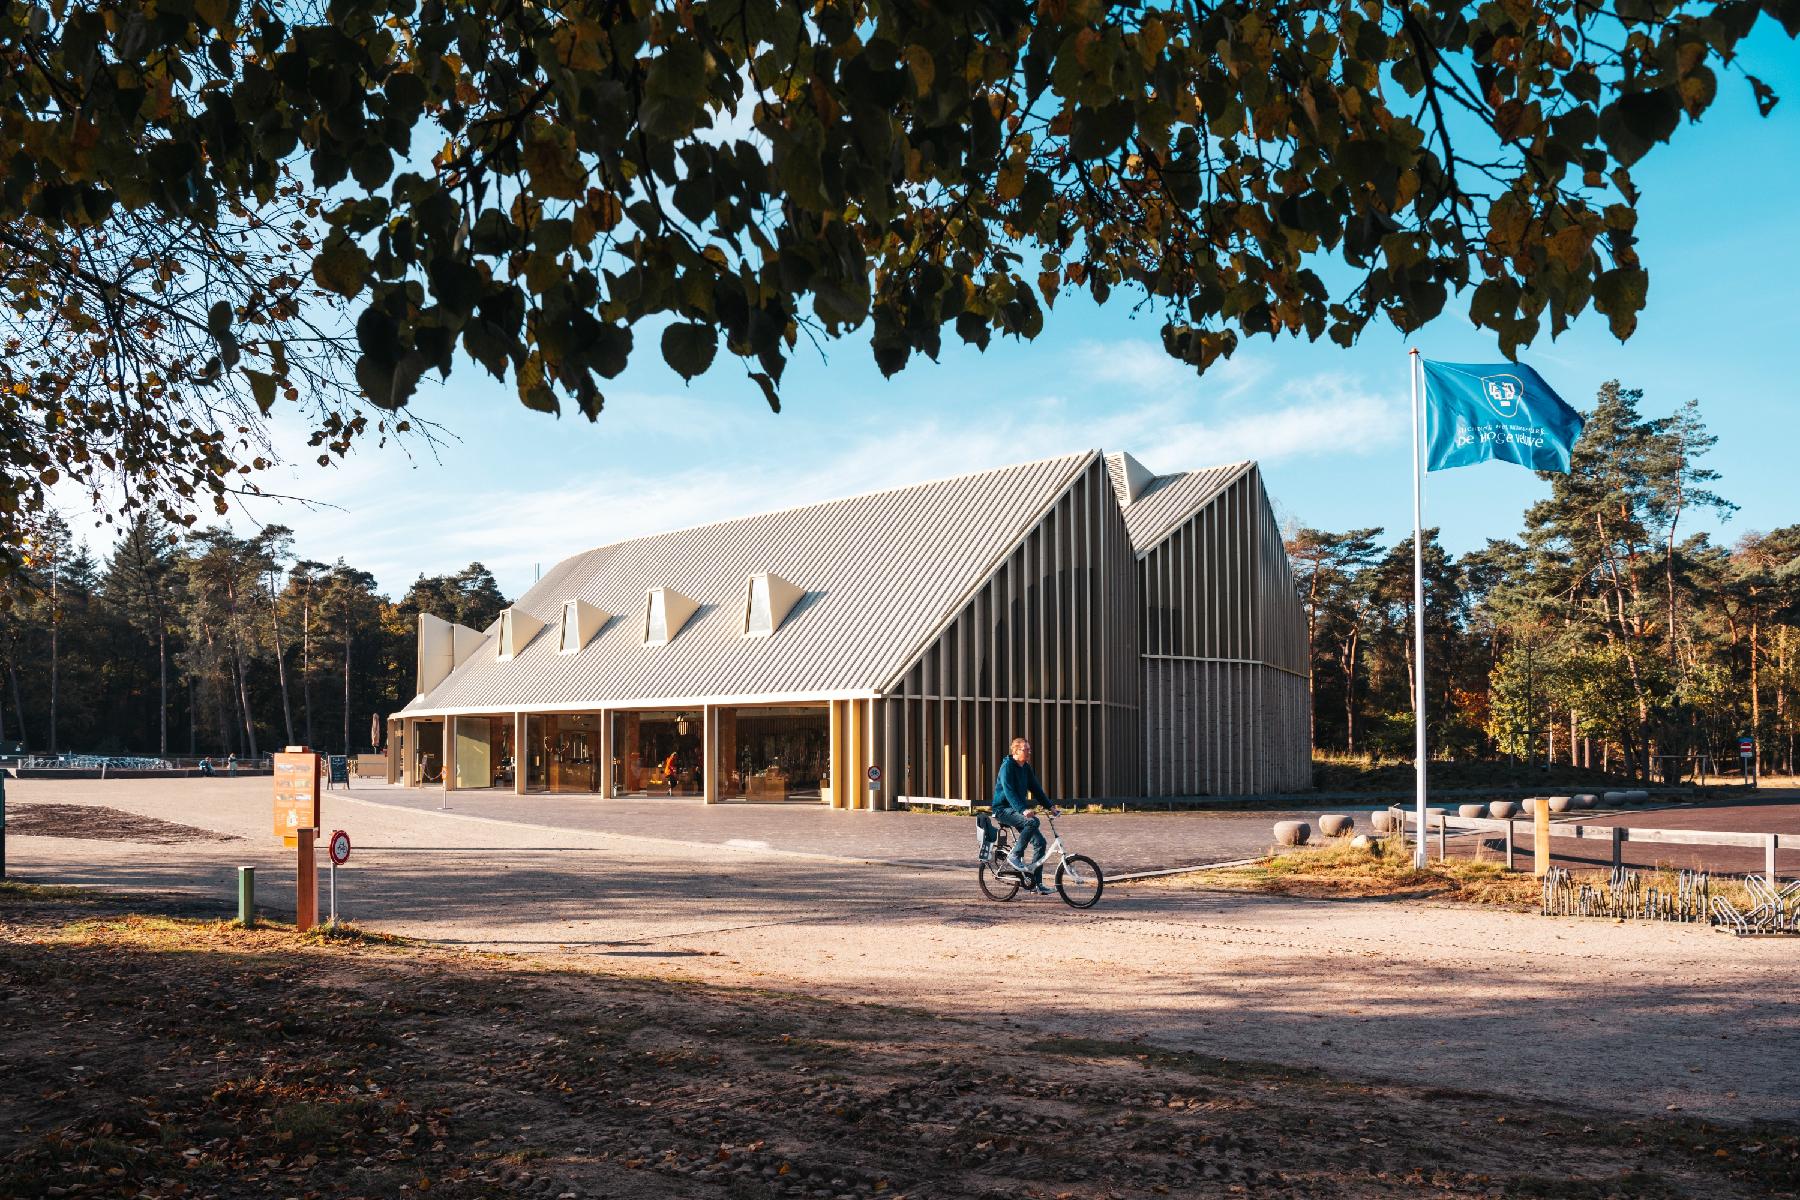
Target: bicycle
{"type": "Point", "coordinates": [1079, 880]}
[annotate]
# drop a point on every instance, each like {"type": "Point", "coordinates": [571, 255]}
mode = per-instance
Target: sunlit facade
{"type": "Point", "coordinates": [1141, 630]}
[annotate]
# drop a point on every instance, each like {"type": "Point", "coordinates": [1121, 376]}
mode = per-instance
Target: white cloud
{"type": "Point", "coordinates": [517, 490]}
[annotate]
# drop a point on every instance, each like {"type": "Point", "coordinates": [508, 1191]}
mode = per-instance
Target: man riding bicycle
{"type": "Point", "coordinates": [1014, 790]}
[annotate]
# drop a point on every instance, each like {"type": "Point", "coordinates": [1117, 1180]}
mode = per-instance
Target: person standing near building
{"type": "Point", "coordinates": [1016, 792]}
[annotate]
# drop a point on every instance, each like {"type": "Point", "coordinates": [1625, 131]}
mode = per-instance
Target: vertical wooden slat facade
{"type": "Point", "coordinates": [1045, 649]}
{"type": "Point", "coordinates": [1224, 654]}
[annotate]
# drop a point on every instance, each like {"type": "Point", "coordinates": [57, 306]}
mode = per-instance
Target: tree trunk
{"type": "Point", "coordinates": [162, 691]}
{"type": "Point", "coordinates": [1675, 671]}
{"type": "Point", "coordinates": [1755, 702]}
{"type": "Point", "coordinates": [12, 674]}
{"type": "Point", "coordinates": [1349, 660]}
{"type": "Point", "coordinates": [347, 641]}
{"type": "Point", "coordinates": [287, 711]}
{"type": "Point", "coordinates": [243, 688]}
{"type": "Point", "coordinates": [1626, 639]}
{"type": "Point", "coordinates": [55, 622]}
{"type": "Point", "coordinates": [306, 659]}
{"type": "Point", "coordinates": [221, 693]}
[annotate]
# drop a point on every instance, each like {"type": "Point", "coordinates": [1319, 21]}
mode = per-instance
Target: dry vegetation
{"type": "Point", "coordinates": [157, 1057]}
{"type": "Point", "coordinates": [1339, 870]}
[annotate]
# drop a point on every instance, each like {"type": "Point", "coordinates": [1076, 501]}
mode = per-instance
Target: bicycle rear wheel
{"type": "Point", "coordinates": [1079, 881]}
{"type": "Point", "coordinates": [994, 885]}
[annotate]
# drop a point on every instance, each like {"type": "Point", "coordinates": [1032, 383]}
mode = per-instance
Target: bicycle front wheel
{"type": "Point", "coordinates": [1079, 881]}
{"type": "Point", "coordinates": [994, 885]}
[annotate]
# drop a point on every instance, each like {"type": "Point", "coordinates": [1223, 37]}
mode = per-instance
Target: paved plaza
{"type": "Point", "coordinates": [872, 907]}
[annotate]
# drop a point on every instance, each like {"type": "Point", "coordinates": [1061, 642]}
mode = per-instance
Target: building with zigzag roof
{"type": "Point", "coordinates": [1141, 630]}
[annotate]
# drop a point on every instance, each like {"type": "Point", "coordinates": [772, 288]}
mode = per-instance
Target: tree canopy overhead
{"type": "Point", "coordinates": [210, 205]}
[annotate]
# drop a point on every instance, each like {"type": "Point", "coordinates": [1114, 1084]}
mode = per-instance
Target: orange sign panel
{"type": "Point", "coordinates": [296, 792]}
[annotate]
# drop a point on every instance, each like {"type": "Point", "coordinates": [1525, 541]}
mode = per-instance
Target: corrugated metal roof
{"type": "Point", "coordinates": [1171, 499]}
{"type": "Point", "coordinates": [881, 573]}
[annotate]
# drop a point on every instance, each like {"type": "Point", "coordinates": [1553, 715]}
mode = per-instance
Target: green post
{"type": "Point", "coordinates": [247, 897]}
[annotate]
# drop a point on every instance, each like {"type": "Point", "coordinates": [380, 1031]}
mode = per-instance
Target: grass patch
{"type": "Point", "coordinates": [1342, 870]}
{"type": "Point", "coordinates": [344, 933]}
{"type": "Point", "coordinates": [13, 889]}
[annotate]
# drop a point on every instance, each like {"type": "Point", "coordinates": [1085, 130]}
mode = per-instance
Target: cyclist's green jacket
{"type": "Point", "coordinates": [1016, 784]}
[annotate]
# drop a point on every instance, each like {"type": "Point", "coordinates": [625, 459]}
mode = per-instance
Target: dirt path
{"type": "Point", "coordinates": [155, 1059]}
{"type": "Point", "coordinates": [1637, 1018]}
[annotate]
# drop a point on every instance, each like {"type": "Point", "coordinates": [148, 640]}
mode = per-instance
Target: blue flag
{"type": "Point", "coordinates": [1475, 412]}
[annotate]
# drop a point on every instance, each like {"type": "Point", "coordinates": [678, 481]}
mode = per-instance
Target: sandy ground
{"type": "Point", "coordinates": [1622, 1017]}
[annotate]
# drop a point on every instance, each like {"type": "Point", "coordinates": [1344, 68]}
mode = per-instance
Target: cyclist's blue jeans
{"type": "Point", "coordinates": [1028, 836]}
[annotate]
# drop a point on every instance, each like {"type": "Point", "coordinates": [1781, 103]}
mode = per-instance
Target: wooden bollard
{"type": "Point", "coordinates": [1540, 838]}
{"type": "Point", "coordinates": [306, 884]}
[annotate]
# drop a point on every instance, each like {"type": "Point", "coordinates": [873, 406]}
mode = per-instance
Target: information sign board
{"type": "Point", "coordinates": [338, 766]}
{"type": "Point", "coordinates": [296, 792]}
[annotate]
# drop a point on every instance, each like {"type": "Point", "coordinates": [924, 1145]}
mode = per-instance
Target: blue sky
{"type": "Point", "coordinates": [517, 490]}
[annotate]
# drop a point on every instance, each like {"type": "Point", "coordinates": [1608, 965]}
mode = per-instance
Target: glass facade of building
{"type": "Point", "coordinates": [658, 753]}
{"type": "Point", "coordinates": [562, 753]}
{"type": "Point", "coordinates": [483, 752]}
{"type": "Point", "coordinates": [774, 753]}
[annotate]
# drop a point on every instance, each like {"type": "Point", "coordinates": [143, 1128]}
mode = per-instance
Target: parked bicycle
{"type": "Point", "coordinates": [1079, 880]}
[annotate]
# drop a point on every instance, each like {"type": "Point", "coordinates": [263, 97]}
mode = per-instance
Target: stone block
{"type": "Point", "coordinates": [1502, 809]}
{"type": "Point", "coordinates": [1336, 824]}
{"type": "Point", "coordinates": [1292, 833]}
{"type": "Point", "coordinates": [1471, 810]}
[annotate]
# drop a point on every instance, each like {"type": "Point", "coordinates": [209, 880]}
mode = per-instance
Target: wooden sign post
{"type": "Point", "coordinates": [1540, 837]}
{"type": "Point", "coordinates": [297, 824]}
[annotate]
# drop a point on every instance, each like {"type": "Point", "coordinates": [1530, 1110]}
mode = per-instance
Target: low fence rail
{"type": "Point", "coordinates": [1614, 836]}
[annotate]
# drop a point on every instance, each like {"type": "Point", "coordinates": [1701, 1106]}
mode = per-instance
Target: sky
{"type": "Point", "coordinates": [519, 490]}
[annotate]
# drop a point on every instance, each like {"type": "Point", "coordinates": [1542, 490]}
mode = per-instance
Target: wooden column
{"type": "Point", "coordinates": [520, 758]}
{"type": "Point", "coordinates": [448, 757]}
{"type": "Point", "coordinates": [886, 751]}
{"type": "Point", "coordinates": [856, 788]}
{"type": "Point", "coordinates": [1540, 838]}
{"type": "Point", "coordinates": [839, 760]}
{"type": "Point", "coordinates": [603, 751]}
{"type": "Point", "coordinates": [709, 754]}
{"type": "Point", "coordinates": [409, 763]}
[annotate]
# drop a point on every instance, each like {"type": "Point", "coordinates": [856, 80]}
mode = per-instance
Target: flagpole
{"type": "Point", "coordinates": [1418, 617]}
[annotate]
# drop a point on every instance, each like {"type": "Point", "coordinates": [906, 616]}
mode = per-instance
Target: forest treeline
{"type": "Point", "coordinates": [1604, 635]}
{"type": "Point", "coordinates": [204, 642]}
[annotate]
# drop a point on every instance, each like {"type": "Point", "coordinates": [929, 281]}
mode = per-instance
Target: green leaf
{"type": "Point", "coordinates": [1099, 132]}
{"type": "Point", "coordinates": [689, 347]}
{"type": "Point", "coordinates": [341, 266]}
{"type": "Point", "coordinates": [1620, 294]}
{"type": "Point", "coordinates": [262, 389]}
{"type": "Point", "coordinates": [768, 390]}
